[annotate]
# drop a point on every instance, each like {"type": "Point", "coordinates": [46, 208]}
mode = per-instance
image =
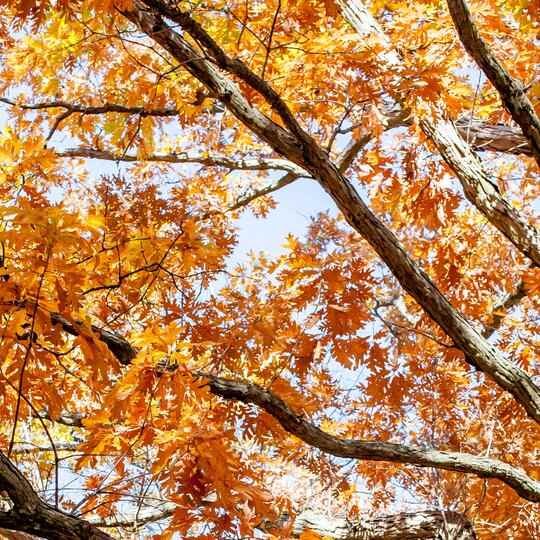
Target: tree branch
{"type": "Point", "coordinates": [32, 515]}
{"type": "Point", "coordinates": [245, 164]}
{"type": "Point", "coordinates": [480, 190]}
{"type": "Point", "coordinates": [512, 92]}
{"type": "Point", "coordinates": [494, 137]}
{"type": "Point", "coordinates": [297, 425]}
{"type": "Point", "coordinates": [232, 65]}
{"type": "Point", "coordinates": [403, 526]}
{"type": "Point", "coordinates": [89, 109]}
{"type": "Point", "coordinates": [308, 155]}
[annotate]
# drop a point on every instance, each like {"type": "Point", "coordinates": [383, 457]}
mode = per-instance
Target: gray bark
{"type": "Point", "coordinates": [511, 91]}
{"type": "Point", "coordinates": [429, 525]}
{"type": "Point", "coordinates": [481, 191]}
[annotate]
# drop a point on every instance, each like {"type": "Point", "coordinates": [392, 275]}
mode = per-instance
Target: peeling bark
{"type": "Point", "coordinates": [429, 525]}
{"type": "Point", "coordinates": [451, 142]}
{"type": "Point", "coordinates": [480, 190]}
{"type": "Point", "coordinates": [494, 137]}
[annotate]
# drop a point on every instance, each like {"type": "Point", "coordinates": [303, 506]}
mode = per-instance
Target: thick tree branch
{"type": "Point", "coordinates": [31, 515]}
{"type": "Point", "coordinates": [366, 450]}
{"type": "Point", "coordinates": [494, 137]}
{"type": "Point", "coordinates": [480, 190]}
{"type": "Point", "coordinates": [119, 346]}
{"type": "Point", "coordinates": [297, 425]}
{"type": "Point", "coordinates": [308, 155]}
{"type": "Point", "coordinates": [232, 65]}
{"type": "Point", "coordinates": [403, 526]}
{"type": "Point", "coordinates": [512, 92]}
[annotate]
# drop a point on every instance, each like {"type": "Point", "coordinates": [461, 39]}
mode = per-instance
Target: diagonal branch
{"type": "Point", "coordinates": [297, 425]}
{"type": "Point", "coordinates": [451, 139]}
{"type": "Point", "coordinates": [512, 92]}
{"type": "Point", "coordinates": [232, 65]}
{"type": "Point", "coordinates": [308, 155]}
{"type": "Point", "coordinates": [152, 24]}
{"type": "Point", "coordinates": [480, 190]}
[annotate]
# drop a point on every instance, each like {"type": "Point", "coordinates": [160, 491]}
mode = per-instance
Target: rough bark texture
{"type": "Point", "coordinates": [301, 149]}
{"type": "Point", "coordinates": [31, 515]}
{"type": "Point", "coordinates": [297, 425]}
{"type": "Point", "coordinates": [512, 92]}
{"type": "Point", "coordinates": [480, 190]}
{"type": "Point", "coordinates": [453, 145]}
{"type": "Point", "coordinates": [430, 525]}
{"type": "Point", "coordinates": [494, 137]}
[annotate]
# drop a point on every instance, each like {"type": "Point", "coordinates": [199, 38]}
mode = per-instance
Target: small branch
{"type": "Point", "coordinates": [503, 305]}
{"type": "Point", "coordinates": [89, 109]}
{"type": "Point", "coordinates": [43, 449]}
{"type": "Point", "coordinates": [131, 523]}
{"type": "Point", "coordinates": [245, 164]}
{"type": "Point", "coordinates": [270, 37]}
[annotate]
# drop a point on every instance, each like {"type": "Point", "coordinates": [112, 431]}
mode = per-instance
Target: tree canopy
{"type": "Point", "coordinates": [376, 378]}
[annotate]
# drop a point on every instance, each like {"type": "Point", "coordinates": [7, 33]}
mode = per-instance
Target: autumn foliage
{"type": "Point", "coordinates": [155, 385]}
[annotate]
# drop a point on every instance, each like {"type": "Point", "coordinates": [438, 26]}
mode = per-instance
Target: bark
{"type": "Point", "coordinates": [297, 425]}
{"type": "Point", "coordinates": [511, 91]}
{"type": "Point", "coordinates": [31, 515]}
{"type": "Point", "coordinates": [494, 137]}
{"type": "Point", "coordinates": [451, 141]}
{"type": "Point", "coordinates": [301, 149]}
{"type": "Point", "coordinates": [404, 526]}
{"type": "Point", "coordinates": [435, 525]}
{"type": "Point", "coordinates": [480, 190]}
{"type": "Point", "coordinates": [119, 346]}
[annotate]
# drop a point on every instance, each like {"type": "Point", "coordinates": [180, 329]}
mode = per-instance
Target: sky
{"type": "Point", "coordinates": [297, 203]}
